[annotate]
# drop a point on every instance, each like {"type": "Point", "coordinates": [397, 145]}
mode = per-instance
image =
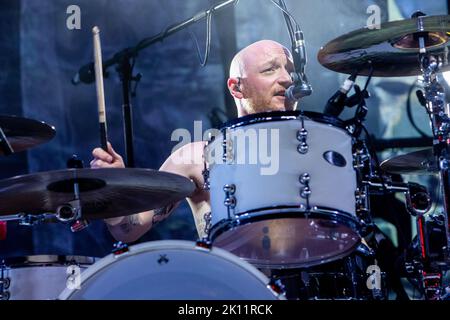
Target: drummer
{"type": "Point", "coordinates": [259, 77]}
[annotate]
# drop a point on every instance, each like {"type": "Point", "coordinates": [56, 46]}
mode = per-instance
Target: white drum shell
{"type": "Point", "coordinates": [331, 186]}
{"type": "Point", "coordinates": [43, 280]}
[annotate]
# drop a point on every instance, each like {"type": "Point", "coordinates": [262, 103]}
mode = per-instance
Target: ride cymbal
{"type": "Point", "coordinates": [392, 50]}
{"type": "Point", "coordinates": [23, 133]}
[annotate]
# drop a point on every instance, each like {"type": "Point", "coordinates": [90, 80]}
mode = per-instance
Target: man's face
{"type": "Point", "coordinates": [265, 78]}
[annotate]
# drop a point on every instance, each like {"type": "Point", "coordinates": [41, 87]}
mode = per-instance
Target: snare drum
{"type": "Point", "coordinates": [40, 277]}
{"type": "Point", "coordinates": [172, 270]}
{"type": "Point", "coordinates": [282, 189]}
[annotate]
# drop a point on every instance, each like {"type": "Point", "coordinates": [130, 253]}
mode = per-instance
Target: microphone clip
{"type": "Point", "coordinates": [357, 98]}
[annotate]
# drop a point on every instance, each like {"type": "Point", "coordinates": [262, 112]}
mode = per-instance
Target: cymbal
{"type": "Point", "coordinates": [104, 193]}
{"type": "Point", "coordinates": [23, 133]}
{"type": "Point", "coordinates": [392, 50]}
{"type": "Point", "coordinates": [418, 162]}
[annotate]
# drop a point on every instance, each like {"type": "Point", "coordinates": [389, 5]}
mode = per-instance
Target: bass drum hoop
{"type": "Point", "coordinates": [166, 245]}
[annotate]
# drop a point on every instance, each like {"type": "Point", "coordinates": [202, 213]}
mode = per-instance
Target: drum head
{"type": "Point", "coordinates": [171, 270]}
{"type": "Point", "coordinates": [284, 240]}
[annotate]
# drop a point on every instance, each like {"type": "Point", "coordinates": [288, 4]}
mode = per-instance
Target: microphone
{"type": "Point", "coordinates": [297, 91]}
{"type": "Point", "coordinates": [86, 74]}
{"type": "Point", "coordinates": [421, 98]}
{"type": "Point", "coordinates": [301, 88]}
{"type": "Point", "coordinates": [336, 103]}
{"type": "Point", "coordinates": [300, 58]}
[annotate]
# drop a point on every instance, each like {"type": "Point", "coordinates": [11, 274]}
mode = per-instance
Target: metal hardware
{"type": "Point", "coordinates": [208, 225]}
{"type": "Point", "coordinates": [302, 136]}
{"type": "Point", "coordinates": [5, 282]}
{"type": "Point", "coordinates": [305, 191]}
{"type": "Point", "coordinates": [230, 199]}
{"type": "Point", "coordinates": [120, 248]}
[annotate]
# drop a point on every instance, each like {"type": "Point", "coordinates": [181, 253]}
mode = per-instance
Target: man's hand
{"type": "Point", "coordinates": [103, 159]}
{"type": "Point", "coordinates": [110, 159]}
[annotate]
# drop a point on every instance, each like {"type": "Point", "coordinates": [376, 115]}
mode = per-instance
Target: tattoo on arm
{"type": "Point", "coordinates": [129, 223]}
{"type": "Point", "coordinates": [161, 214]}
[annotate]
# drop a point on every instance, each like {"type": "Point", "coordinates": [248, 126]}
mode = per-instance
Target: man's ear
{"type": "Point", "coordinates": [234, 87]}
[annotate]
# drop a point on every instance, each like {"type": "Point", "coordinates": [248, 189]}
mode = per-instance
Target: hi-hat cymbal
{"type": "Point", "coordinates": [392, 50]}
{"type": "Point", "coordinates": [23, 133]}
{"type": "Point", "coordinates": [418, 162]}
{"type": "Point", "coordinates": [104, 193]}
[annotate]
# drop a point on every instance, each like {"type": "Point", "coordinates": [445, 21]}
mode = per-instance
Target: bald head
{"type": "Point", "coordinates": [246, 56]}
{"type": "Point", "coordinates": [259, 77]}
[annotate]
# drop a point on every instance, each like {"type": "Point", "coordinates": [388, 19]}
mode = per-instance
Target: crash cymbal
{"type": "Point", "coordinates": [392, 50]}
{"type": "Point", "coordinates": [418, 162]}
{"type": "Point", "coordinates": [23, 133]}
{"type": "Point", "coordinates": [104, 193]}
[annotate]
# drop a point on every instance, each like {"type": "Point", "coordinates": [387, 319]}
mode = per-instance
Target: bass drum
{"type": "Point", "coordinates": [172, 270]}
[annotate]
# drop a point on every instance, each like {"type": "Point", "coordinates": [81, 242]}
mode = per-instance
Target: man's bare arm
{"type": "Point", "coordinates": [131, 228]}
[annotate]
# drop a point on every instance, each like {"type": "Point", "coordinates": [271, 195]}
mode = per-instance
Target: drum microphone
{"type": "Point", "coordinates": [86, 74]}
{"type": "Point", "coordinates": [336, 103]}
{"type": "Point", "coordinates": [297, 91]}
{"type": "Point", "coordinates": [301, 87]}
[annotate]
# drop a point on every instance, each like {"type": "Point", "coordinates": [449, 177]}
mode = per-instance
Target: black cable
{"type": "Point", "coordinates": [288, 19]}
{"type": "Point", "coordinates": [357, 119]}
{"type": "Point", "coordinates": [203, 61]}
{"type": "Point", "coordinates": [286, 13]}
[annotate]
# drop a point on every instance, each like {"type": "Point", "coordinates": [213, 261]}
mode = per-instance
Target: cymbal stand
{"type": "Point", "coordinates": [432, 273]}
{"type": "Point", "coordinates": [71, 212]}
{"type": "Point", "coordinates": [30, 220]}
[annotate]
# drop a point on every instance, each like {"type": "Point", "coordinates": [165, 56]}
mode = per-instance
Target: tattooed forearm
{"type": "Point", "coordinates": [161, 214]}
{"type": "Point", "coordinates": [129, 223]}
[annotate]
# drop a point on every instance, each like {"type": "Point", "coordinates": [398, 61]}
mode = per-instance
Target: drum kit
{"type": "Point", "coordinates": [306, 221]}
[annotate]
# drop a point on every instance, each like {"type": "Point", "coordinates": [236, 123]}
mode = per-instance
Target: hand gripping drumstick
{"type": "Point", "coordinates": [99, 86]}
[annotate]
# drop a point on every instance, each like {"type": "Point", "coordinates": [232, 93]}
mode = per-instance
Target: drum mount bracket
{"type": "Point", "coordinates": [5, 282]}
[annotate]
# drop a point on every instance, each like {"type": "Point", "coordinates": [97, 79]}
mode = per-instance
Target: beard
{"type": "Point", "coordinates": [265, 104]}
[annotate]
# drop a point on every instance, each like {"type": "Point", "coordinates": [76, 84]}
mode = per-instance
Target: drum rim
{"type": "Point", "coordinates": [282, 116]}
{"type": "Point", "coordinates": [257, 215]}
{"type": "Point", "coordinates": [111, 258]}
{"type": "Point", "coordinates": [48, 260]}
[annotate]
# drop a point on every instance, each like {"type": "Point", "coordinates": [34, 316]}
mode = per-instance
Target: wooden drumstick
{"type": "Point", "coordinates": [100, 89]}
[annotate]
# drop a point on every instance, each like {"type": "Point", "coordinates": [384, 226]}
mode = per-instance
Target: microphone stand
{"type": "Point", "coordinates": [5, 147]}
{"type": "Point", "coordinates": [299, 53]}
{"type": "Point", "coordinates": [124, 61]}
